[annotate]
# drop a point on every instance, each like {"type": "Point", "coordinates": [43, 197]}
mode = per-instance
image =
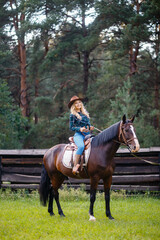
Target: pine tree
{"type": "Point", "coordinates": [77, 40]}
{"type": "Point", "coordinates": [12, 124]}
{"type": "Point", "coordinates": [125, 102]}
{"type": "Point", "coordinates": [17, 19]}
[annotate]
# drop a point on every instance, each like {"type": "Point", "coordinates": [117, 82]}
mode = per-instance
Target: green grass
{"type": "Point", "coordinates": [22, 217]}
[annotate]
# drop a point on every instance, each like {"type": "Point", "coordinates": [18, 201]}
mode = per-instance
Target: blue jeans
{"type": "Point", "coordinates": [79, 141]}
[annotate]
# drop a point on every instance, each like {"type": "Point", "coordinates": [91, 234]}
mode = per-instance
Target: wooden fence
{"type": "Point", "coordinates": [22, 169]}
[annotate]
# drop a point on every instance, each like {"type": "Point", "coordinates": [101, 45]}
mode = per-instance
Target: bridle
{"type": "Point", "coordinates": [122, 140]}
{"type": "Point", "coordinates": [121, 137]}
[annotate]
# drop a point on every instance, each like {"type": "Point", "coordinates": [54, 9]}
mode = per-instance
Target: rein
{"type": "Point", "coordinates": [126, 144]}
{"type": "Point", "coordinates": [152, 163]}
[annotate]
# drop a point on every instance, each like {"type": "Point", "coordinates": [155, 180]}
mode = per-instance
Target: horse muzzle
{"type": "Point", "coordinates": [134, 147]}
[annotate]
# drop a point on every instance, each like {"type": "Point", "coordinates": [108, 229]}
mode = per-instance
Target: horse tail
{"type": "Point", "coordinates": [44, 186]}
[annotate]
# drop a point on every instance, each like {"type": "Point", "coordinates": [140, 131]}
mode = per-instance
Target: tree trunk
{"type": "Point", "coordinates": [156, 85]}
{"type": "Point", "coordinates": [46, 48]}
{"type": "Point", "coordinates": [23, 91]}
{"type": "Point", "coordinates": [24, 105]}
{"type": "Point", "coordinates": [156, 102]}
{"type": "Point", "coordinates": [36, 95]}
{"type": "Point", "coordinates": [133, 53]}
{"type": "Point", "coordinates": [134, 50]}
{"type": "Point", "coordinates": [85, 72]}
{"type": "Point", "coordinates": [85, 54]}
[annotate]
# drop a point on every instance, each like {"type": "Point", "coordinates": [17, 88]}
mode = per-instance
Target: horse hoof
{"type": "Point", "coordinates": [62, 215]}
{"type": "Point", "coordinates": [92, 218]}
{"type": "Point", "coordinates": [52, 214]}
{"type": "Point", "coordinates": [111, 218]}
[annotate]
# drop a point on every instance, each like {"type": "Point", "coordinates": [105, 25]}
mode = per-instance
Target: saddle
{"type": "Point", "coordinates": [71, 148]}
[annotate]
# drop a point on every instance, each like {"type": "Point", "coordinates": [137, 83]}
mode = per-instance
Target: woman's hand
{"type": "Point", "coordinates": [83, 129]}
{"type": "Point", "coordinates": [91, 128]}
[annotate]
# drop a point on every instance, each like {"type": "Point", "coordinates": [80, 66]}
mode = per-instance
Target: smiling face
{"type": "Point", "coordinates": [78, 105]}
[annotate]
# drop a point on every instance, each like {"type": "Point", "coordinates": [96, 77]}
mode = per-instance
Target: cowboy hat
{"type": "Point", "coordinates": [73, 99]}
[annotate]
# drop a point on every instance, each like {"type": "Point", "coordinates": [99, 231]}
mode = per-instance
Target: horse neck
{"type": "Point", "coordinates": [110, 150]}
{"type": "Point", "coordinates": [107, 141]}
{"type": "Point", "coordinates": [111, 147]}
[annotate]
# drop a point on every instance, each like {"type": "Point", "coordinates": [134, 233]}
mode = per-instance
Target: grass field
{"type": "Point", "coordinates": [22, 217]}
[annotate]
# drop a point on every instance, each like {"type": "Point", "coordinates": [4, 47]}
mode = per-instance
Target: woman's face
{"type": "Point", "coordinates": [78, 105]}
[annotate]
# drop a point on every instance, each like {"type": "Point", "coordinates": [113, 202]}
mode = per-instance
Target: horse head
{"type": "Point", "coordinates": [127, 134]}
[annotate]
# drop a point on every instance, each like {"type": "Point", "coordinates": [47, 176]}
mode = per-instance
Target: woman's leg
{"type": "Point", "coordinates": [79, 141]}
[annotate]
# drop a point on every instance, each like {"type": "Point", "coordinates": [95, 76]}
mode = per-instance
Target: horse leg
{"type": "Point", "coordinates": [56, 196]}
{"type": "Point", "coordinates": [107, 200]}
{"type": "Point", "coordinates": [50, 204]}
{"type": "Point", "coordinates": [107, 185]}
{"type": "Point", "coordinates": [93, 189]}
{"type": "Point", "coordinates": [57, 180]}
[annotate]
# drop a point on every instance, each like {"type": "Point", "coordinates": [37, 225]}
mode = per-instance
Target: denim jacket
{"type": "Point", "coordinates": [75, 124]}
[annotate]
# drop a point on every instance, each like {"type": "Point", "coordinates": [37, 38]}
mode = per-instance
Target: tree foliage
{"type": "Point", "coordinates": [12, 124]}
{"type": "Point", "coordinates": [104, 51]}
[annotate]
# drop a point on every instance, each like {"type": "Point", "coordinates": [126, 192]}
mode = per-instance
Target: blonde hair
{"type": "Point", "coordinates": [83, 110]}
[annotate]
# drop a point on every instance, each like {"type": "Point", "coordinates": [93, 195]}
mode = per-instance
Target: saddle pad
{"type": "Point", "coordinates": [67, 157]}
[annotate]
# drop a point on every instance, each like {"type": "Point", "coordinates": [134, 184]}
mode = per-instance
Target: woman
{"type": "Point", "coordinates": [80, 123]}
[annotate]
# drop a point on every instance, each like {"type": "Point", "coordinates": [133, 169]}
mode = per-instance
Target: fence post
{"type": "Point", "coordinates": [159, 169]}
{"type": "Point", "coordinates": [0, 170]}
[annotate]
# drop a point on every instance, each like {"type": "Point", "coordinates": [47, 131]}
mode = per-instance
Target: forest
{"type": "Point", "coordinates": [105, 51]}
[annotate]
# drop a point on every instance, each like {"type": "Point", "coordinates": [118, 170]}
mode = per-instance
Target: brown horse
{"type": "Point", "coordinates": [100, 165]}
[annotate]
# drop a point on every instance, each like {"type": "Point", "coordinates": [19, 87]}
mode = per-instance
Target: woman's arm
{"type": "Point", "coordinates": [72, 122]}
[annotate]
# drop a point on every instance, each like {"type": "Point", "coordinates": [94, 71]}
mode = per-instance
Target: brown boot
{"type": "Point", "coordinates": [76, 164]}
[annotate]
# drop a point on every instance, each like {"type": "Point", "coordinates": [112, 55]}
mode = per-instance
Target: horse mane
{"type": "Point", "coordinates": [106, 135]}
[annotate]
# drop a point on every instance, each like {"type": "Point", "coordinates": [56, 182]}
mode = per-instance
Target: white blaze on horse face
{"type": "Point", "coordinates": [137, 146]}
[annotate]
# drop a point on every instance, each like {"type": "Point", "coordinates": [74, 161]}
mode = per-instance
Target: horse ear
{"type": "Point", "coordinates": [124, 119]}
{"type": "Point", "coordinates": [132, 119]}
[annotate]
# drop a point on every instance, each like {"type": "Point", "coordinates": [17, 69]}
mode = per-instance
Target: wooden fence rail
{"type": "Point", "coordinates": [22, 169]}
